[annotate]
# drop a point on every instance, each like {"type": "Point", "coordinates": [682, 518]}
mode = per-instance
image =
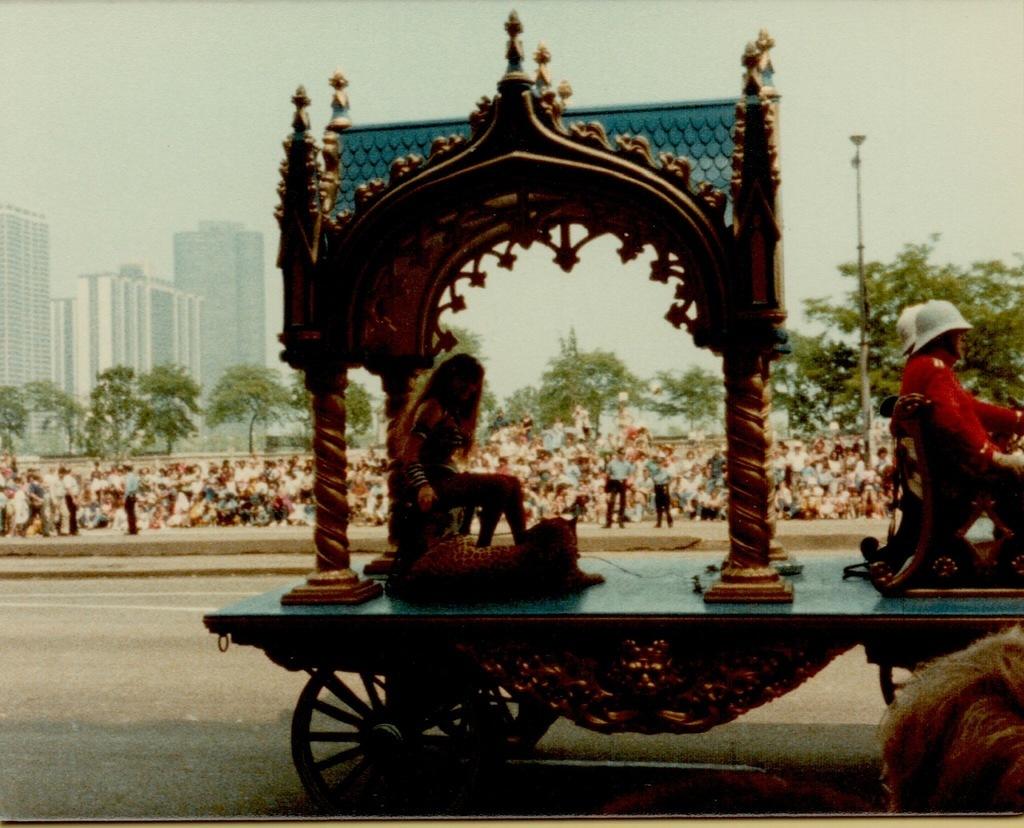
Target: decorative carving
{"type": "Point", "coordinates": [339, 103]}
{"type": "Point", "coordinates": [543, 78]}
{"type": "Point", "coordinates": [592, 134]}
{"type": "Point", "coordinates": [564, 93]}
{"type": "Point", "coordinates": [481, 115]}
{"type": "Point", "coordinates": [514, 51]}
{"type": "Point", "coordinates": [369, 192]}
{"type": "Point", "coordinates": [635, 147]}
{"type": "Point", "coordinates": [551, 221]}
{"type": "Point", "coordinates": [715, 199]}
{"type": "Point", "coordinates": [656, 686]}
{"type": "Point", "coordinates": [330, 179]}
{"type": "Point", "coordinates": [300, 123]}
{"type": "Point", "coordinates": [443, 146]}
{"type": "Point", "coordinates": [676, 168]}
{"type": "Point", "coordinates": [403, 167]}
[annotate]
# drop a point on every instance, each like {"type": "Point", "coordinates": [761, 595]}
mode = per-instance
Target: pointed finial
{"type": "Point", "coordinates": [752, 61]}
{"type": "Point", "coordinates": [765, 42]}
{"type": "Point", "coordinates": [564, 93]}
{"type": "Point", "coordinates": [300, 123]}
{"type": "Point", "coordinates": [514, 52]}
{"type": "Point", "coordinates": [339, 102]}
{"type": "Point", "coordinates": [542, 57]}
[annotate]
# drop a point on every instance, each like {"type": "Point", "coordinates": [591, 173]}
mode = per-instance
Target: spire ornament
{"type": "Point", "coordinates": [300, 123]}
{"type": "Point", "coordinates": [542, 57]}
{"type": "Point", "coordinates": [514, 51]}
{"type": "Point", "coordinates": [339, 103]}
{"type": "Point", "coordinates": [564, 93]}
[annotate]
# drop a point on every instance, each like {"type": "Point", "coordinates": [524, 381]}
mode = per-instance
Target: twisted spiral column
{"type": "Point", "coordinates": [747, 574]}
{"type": "Point", "coordinates": [330, 453]}
{"type": "Point", "coordinates": [333, 581]}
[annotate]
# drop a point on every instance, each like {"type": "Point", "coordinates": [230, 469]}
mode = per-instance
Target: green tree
{"type": "Point", "coordinates": [358, 407]}
{"type": "Point", "coordinates": [812, 385]}
{"type": "Point", "coordinates": [248, 394]}
{"type": "Point", "coordinates": [988, 293]}
{"type": "Point", "coordinates": [113, 426]}
{"type": "Point", "coordinates": [60, 407]}
{"type": "Point", "coordinates": [592, 379]}
{"type": "Point", "coordinates": [13, 415]}
{"type": "Point", "coordinates": [522, 402]}
{"type": "Point", "coordinates": [172, 400]}
{"type": "Point", "coordinates": [695, 394]}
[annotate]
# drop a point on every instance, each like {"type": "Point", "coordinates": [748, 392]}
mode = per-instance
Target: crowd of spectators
{"type": "Point", "coordinates": [562, 469]}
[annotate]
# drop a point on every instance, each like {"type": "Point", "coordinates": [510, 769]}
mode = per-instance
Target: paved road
{"type": "Point", "coordinates": [115, 703]}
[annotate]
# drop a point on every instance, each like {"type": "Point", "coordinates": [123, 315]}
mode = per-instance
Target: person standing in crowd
{"type": "Point", "coordinates": [617, 474]}
{"type": "Point", "coordinates": [131, 494]}
{"type": "Point", "coordinates": [71, 494]}
{"type": "Point", "coordinates": [54, 512]}
{"type": "Point", "coordinates": [661, 476]}
{"type": "Point", "coordinates": [37, 503]}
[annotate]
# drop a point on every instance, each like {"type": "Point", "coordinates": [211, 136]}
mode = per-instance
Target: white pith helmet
{"type": "Point", "coordinates": [936, 317]}
{"type": "Point", "coordinates": [906, 327]}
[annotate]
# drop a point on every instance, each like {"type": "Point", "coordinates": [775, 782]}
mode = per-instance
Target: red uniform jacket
{"type": "Point", "coordinates": [956, 413]}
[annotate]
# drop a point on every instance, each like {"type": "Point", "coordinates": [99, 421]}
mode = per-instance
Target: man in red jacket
{"type": "Point", "coordinates": [965, 421]}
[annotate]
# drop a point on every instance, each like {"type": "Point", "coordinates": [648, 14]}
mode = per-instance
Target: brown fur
{"type": "Point", "coordinates": [953, 740]}
{"type": "Point", "coordinates": [546, 563]}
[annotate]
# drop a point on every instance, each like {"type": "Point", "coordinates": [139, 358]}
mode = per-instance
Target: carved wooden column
{"type": "Point", "coordinates": [396, 380]}
{"type": "Point", "coordinates": [747, 575]}
{"type": "Point", "coordinates": [333, 582]}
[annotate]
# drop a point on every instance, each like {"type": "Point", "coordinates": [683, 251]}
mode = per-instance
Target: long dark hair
{"type": "Point", "coordinates": [440, 387]}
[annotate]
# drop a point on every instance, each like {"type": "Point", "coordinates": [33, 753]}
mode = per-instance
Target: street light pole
{"type": "Point", "coordinates": [865, 382]}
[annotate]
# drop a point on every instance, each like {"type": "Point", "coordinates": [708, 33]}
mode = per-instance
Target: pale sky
{"type": "Point", "coordinates": [127, 122]}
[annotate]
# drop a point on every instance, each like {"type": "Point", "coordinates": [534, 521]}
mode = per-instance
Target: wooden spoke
{"type": "Point", "coordinates": [336, 713]}
{"type": "Point", "coordinates": [338, 758]}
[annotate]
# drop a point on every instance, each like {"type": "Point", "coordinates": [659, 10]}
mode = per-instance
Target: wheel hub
{"type": "Point", "coordinates": [384, 739]}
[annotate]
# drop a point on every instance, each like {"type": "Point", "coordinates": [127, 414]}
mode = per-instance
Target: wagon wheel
{"type": "Point", "coordinates": [516, 724]}
{"type": "Point", "coordinates": [375, 744]}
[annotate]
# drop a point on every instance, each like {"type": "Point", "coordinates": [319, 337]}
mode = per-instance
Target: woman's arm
{"type": "Point", "coordinates": [426, 417]}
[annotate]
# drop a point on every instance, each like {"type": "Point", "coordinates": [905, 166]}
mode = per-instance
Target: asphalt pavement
{"type": "Point", "coordinates": [218, 551]}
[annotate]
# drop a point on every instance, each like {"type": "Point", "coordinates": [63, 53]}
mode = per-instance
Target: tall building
{"type": "Point", "coordinates": [62, 338]}
{"type": "Point", "coordinates": [128, 318]}
{"type": "Point", "coordinates": [223, 263]}
{"type": "Point", "coordinates": [24, 296]}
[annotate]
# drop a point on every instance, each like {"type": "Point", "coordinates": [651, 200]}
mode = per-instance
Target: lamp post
{"type": "Point", "coordinates": [865, 382]}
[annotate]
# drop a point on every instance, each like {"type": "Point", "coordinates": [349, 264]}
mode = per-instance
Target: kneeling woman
{"type": "Point", "coordinates": [434, 432]}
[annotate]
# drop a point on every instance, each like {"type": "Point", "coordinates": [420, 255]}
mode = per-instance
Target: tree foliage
{"type": "Point", "coordinates": [113, 426]}
{"type": "Point", "coordinates": [13, 415]}
{"type": "Point", "coordinates": [248, 394]}
{"type": "Point", "coordinates": [59, 407]}
{"type": "Point", "coordinates": [695, 394]}
{"type": "Point", "coordinates": [171, 400]}
{"type": "Point", "coordinates": [358, 407]}
{"type": "Point", "coordinates": [820, 382]}
{"type": "Point", "coordinates": [592, 379]}
{"type": "Point", "coordinates": [522, 402]}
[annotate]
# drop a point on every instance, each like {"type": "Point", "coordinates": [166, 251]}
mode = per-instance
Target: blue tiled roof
{"type": "Point", "coordinates": [701, 131]}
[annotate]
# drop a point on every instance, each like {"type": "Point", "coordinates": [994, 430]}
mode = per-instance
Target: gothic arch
{"type": "Point", "coordinates": [367, 287]}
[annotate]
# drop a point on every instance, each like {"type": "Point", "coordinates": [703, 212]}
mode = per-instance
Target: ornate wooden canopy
{"type": "Point", "coordinates": [368, 287]}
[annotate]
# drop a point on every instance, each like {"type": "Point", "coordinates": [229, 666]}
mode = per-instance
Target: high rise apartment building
{"type": "Point", "coordinates": [128, 318]}
{"type": "Point", "coordinates": [24, 296]}
{"type": "Point", "coordinates": [62, 339]}
{"type": "Point", "coordinates": [223, 263]}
